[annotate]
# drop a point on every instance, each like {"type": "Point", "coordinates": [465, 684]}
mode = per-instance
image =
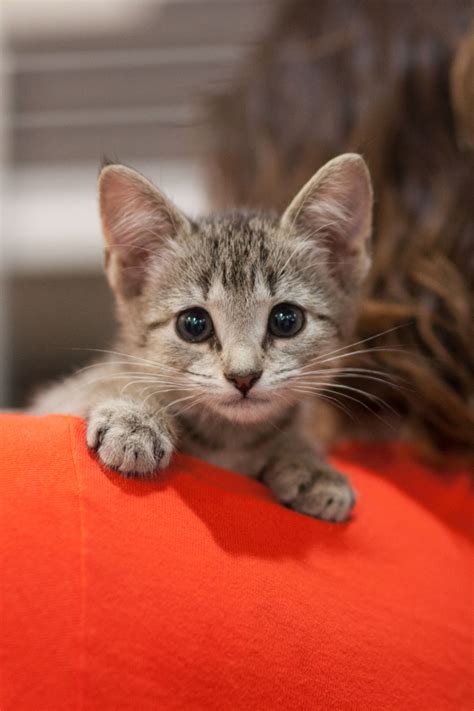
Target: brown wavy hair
{"type": "Point", "coordinates": [378, 77]}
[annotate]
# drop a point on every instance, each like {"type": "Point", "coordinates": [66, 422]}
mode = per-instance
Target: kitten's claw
{"type": "Point", "coordinates": [321, 492]}
{"type": "Point", "coordinates": [127, 439]}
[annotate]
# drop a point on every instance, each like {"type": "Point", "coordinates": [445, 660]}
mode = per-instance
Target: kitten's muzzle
{"type": "Point", "coordinates": [243, 381]}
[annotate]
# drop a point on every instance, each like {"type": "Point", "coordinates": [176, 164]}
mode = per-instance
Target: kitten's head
{"type": "Point", "coordinates": [236, 308]}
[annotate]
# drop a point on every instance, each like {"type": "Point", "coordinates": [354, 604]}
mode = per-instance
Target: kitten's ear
{"type": "Point", "coordinates": [335, 209]}
{"type": "Point", "coordinates": [137, 219]}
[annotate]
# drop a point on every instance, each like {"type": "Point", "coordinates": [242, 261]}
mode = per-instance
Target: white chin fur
{"type": "Point", "coordinates": [246, 410]}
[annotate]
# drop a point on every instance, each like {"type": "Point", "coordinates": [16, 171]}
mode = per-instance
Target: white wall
{"type": "Point", "coordinates": [51, 216]}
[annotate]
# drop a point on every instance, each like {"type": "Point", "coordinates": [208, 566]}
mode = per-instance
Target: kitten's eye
{"type": "Point", "coordinates": [194, 325]}
{"type": "Point", "coordinates": [285, 320]}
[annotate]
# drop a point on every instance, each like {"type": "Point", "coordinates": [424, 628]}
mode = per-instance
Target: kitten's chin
{"type": "Point", "coordinates": [247, 410]}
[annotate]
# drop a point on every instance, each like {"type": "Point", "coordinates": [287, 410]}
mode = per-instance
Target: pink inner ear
{"type": "Point", "coordinates": [334, 210]}
{"type": "Point", "coordinates": [137, 220]}
{"type": "Point", "coordinates": [135, 229]}
{"type": "Point", "coordinates": [133, 214]}
{"type": "Point", "coordinates": [343, 202]}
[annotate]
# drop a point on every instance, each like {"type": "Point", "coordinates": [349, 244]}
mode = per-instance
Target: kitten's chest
{"type": "Point", "coordinates": [225, 447]}
{"type": "Point", "coordinates": [235, 461]}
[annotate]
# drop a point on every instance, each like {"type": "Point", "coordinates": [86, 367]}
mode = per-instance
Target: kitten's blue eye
{"type": "Point", "coordinates": [194, 325]}
{"type": "Point", "coordinates": [285, 320]}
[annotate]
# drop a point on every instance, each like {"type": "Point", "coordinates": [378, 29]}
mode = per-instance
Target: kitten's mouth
{"type": "Point", "coordinates": [245, 402]}
{"type": "Point", "coordinates": [252, 408]}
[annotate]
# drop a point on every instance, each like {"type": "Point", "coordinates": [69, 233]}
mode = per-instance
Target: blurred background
{"type": "Point", "coordinates": [239, 102]}
{"type": "Point", "coordinates": [128, 79]}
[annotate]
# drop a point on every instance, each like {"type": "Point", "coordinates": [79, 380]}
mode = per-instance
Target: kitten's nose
{"type": "Point", "coordinates": [243, 381]}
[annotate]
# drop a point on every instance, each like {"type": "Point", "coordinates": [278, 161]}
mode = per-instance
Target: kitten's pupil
{"type": "Point", "coordinates": [285, 320]}
{"type": "Point", "coordinates": [194, 325]}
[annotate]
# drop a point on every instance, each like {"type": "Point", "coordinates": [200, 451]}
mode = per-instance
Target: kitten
{"type": "Point", "coordinates": [226, 325]}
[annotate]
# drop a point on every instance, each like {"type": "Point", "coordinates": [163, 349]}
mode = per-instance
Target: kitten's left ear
{"type": "Point", "coordinates": [137, 221]}
{"type": "Point", "coordinates": [334, 209]}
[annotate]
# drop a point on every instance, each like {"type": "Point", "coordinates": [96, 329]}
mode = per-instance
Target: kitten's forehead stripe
{"type": "Point", "coordinates": [238, 251]}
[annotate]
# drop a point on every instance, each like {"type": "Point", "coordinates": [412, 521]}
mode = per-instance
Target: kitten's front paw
{"type": "Point", "coordinates": [319, 491]}
{"type": "Point", "coordinates": [128, 439]}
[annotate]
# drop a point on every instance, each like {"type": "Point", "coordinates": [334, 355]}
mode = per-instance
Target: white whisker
{"type": "Point", "coordinates": [152, 363]}
{"type": "Point", "coordinates": [136, 378]}
{"type": "Point", "coordinates": [168, 387]}
{"type": "Point", "coordinates": [171, 404]}
{"type": "Point", "coordinates": [198, 399]}
{"type": "Point", "coordinates": [371, 396]}
{"type": "Point", "coordinates": [358, 401]}
{"type": "Point", "coordinates": [357, 376]}
{"type": "Point", "coordinates": [365, 350]}
{"type": "Point", "coordinates": [323, 396]}
{"type": "Point", "coordinates": [363, 340]}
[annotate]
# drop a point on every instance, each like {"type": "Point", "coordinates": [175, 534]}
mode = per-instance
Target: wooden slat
{"type": "Point", "coordinates": [133, 94]}
{"type": "Point", "coordinates": [126, 143]}
{"type": "Point", "coordinates": [122, 87]}
{"type": "Point", "coordinates": [171, 24]}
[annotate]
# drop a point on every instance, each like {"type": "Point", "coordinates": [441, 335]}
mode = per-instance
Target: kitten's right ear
{"type": "Point", "coordinates": [137, 219]}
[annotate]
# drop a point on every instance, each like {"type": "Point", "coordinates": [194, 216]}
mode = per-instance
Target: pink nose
{"type": "Point", "coordinates": [243, 382]}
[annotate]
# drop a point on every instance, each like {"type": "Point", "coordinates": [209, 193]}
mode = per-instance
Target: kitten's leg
{"type": "Point", "coordinates": [128, 438]}
{"type": "Point", "coordinates": [303, 481]}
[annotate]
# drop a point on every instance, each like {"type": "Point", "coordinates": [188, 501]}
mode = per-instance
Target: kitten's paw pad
{"type": "Point", "coordinates": [327, 495]}
{"type": "Point", "coordinates": [128, 440]}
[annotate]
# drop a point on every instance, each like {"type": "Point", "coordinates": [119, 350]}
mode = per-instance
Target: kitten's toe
{"type": "Point", "coordinates": [128, 440]}
{"type": "Point", "coordinates": [327, 495]}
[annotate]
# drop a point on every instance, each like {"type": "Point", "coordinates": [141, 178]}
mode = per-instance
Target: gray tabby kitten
{"type": "Point", "coordinates": [224, 324]}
